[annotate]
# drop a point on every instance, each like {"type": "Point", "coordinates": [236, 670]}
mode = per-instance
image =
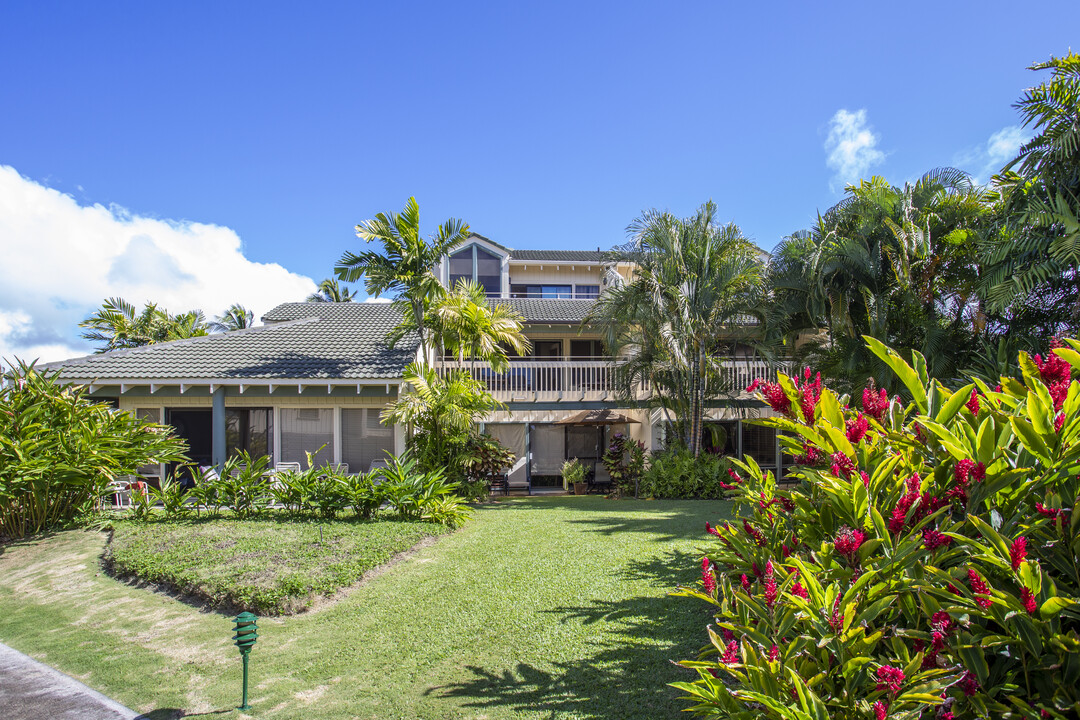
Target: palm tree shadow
{"type": "Point", "coordinates": [635, 643]}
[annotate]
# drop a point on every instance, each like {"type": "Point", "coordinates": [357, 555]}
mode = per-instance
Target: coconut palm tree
{"type": "Point", "coordinates": [117, 325]}
{"type": "Point", "coordinates": [695, 283]}
{"type": "Point", "coordinates": [406, 265]}
{"type": "Point", "coordinates": [900, 264]}
{"type": "Point", "coordinates": [237, 317]}
{"type": "Point", "coordinates": [1034, 260]}
{"type": "Point", "coordinates": [331, 291]}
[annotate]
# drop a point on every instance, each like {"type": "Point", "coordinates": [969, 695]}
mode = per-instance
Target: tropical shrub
{"type": "Point", "coordinates": [483, 458]}
{"type": "Point", "coordinates": [243, 486]}
{"type": "Point", "coordinates": [411, 492]}
{"type": "Point", "coordinates": [172, 497]}
{"type": "Point", "coordinates": [59, 450]}
{"type": "Point", "coordinates": [363, 494]}
{"type": "Point", "coordinates": [625, 461]}
{"type": "Point", "coordinates": [676, 473]}
{"type": "Point", "coordinates": [924, 567]}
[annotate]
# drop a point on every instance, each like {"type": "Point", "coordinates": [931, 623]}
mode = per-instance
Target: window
{"type": "Point", "coordinates": [305, 430]}
{"type": "Point", "coordinates": [759, 443]}
{"type": "Point", "coordinates": [587, 292]}
{"type": "Point", "coordinates": [586, 349]}
{"type": "Point", "coordinates": [364, 439]}
{"type": "Point", "coordinates": [475, 263]}
{"type": "Point", "coordinates": [249, 430]}
{"type": "Point", "coordinates": [545, 292]}
{"type": "Point", "coordinates": [150, 415]}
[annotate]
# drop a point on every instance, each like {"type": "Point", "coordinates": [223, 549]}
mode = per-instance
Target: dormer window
{"type": "Point", "coordinates": [475, 263]}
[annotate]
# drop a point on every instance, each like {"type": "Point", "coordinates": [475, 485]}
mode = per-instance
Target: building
{"type": "Point", "coordinates": [315, 376]}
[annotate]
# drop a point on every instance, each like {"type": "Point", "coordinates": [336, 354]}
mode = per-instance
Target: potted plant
{"type": "Point", "coordinates": [573, 473]}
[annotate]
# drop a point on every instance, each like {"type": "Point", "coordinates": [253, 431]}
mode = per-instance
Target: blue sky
{"type": "Point", "coordinates": [276, 128]}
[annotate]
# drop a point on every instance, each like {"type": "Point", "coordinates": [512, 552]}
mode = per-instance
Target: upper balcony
{"type": "Point", "coordinates": [585, 379]}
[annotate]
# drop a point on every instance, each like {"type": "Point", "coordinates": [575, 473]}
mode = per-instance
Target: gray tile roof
{"type": "Point", "coordinates": [299, 341]}
{"type": "Point", "coordinates": [567, 256]}
{"type": "Point", "coordinates": [550, 311]}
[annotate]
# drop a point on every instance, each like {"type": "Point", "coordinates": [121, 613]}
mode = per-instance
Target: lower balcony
{"type": "Point", "coordinates": [538, 380]}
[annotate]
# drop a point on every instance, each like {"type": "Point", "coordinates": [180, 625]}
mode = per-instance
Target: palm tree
{"type": "Point", "coordinates": [1035, 259]}
{"type": "Point", "coordinates": [237, 317]}
{"type": "Point", "coordinates": [898, 264]}
{"type": "Point", "coordinates": [406, 265]}
{"type": "Point", "coordinates": [118, 326]}
{"type": "Point", "coordinates": [440, 410]}
{"type": "Point", "coordinates": [695, 282]}
{"type": "Point", "coordinates": [462, 323]}
{"type": "Point", "coordinates": [331, 291]}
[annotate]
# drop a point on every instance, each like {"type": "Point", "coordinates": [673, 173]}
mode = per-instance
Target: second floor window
{"type": "Point", "coordinates": [546, 292]}
{"type": "Point", "coordinates": [475, 263]}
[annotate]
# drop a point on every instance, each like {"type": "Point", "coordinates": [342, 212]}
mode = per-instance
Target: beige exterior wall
{"type": "Point", "coordinates": [554, 274]}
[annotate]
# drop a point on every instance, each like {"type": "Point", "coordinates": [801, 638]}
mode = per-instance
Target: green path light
{"type": "Point", "coordinates": [245, 636]}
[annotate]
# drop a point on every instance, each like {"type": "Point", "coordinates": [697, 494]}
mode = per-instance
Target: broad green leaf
{"type": "Point", "coordinates": [904, 372]}
{"type": "Point", "coordinates": [957, 401]}
{"type": "Point", "coordinates": [1054, 607]}
{"type": "Point", "coordinates": [1030, 439]}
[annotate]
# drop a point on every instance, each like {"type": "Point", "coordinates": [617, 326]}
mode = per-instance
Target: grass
{"type": "Point", "coordinates": [268, 566]}
{"type": "Point", "coordinates": [551, 608]}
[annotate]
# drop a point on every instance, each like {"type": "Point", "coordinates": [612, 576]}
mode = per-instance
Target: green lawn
{"type": "Point", "coordinates": [537, 608]}
{"type": "Point", "coordinates": [270, 566]}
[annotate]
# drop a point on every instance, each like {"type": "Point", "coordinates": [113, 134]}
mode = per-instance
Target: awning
{"type": "Point", "coordinates": [597, 417]}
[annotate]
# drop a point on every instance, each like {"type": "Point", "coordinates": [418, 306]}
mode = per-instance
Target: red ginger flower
{"type": "Point", "coordinates": [980, 589]}
{"type": "Point", "coordinates": [1057, 374]}
{"type": "Point", "coordinates": [770, 585]}
{"type": "Point", "coordinates": [973, 403]}
{"type": "Point", "coordinates": [1059, 422]}
{"type": "Point", "coordinates": [731, 655]}
{"type": "Point", "coordinates": [774, 653]}
{"type": "Point", "coordinates": [889, 678]}
{"type": "Point", "coordinates": [754, 533]}
{"type": "Point", "coordinates": [962, 471]}
{"type": "Point", "coordinates": [1017, 552]}
{"type": "Point", "coordinates": [707, 577]}
{"type": "Point", "coordinates": [811, 393]}
{"type": "Point", "coordinates": [934, 539]}
{"type": "Point", "coordinates": [881, 709]}
{"type": "Point", "coordinates": [837, 619]}
{"type": "Point", "coordinates": [856, 429]}
{"type": "Point", "coordinates": [797, 589]}
{"type": "Point", "coordinates": [811, 455]}
{"type": "Point", "coordinates": [969, 684]}
{"type": "Point", "coordinates": [774, 395]}
{"type": "Point", "coordinates": [842, 465]}
{"type": "Point", "coordinates": [711, 530]}
{"type": "Point", "coordinates": [1028, 600]}
{"type": "Point", "coordinates": [848, 541]}
{"type": "Point", "coordinates": [745, 581]}
{"type": "Point", "coordinates": [875, 405]}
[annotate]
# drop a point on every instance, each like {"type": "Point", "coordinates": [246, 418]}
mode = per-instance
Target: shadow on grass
{"type": "Point", "coordinates": [636, 642]}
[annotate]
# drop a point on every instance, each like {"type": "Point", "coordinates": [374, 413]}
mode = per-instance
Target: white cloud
{"type": "Point", "coordinates": [377, 300]}
{"type": "Point", "coordinates": [60, 260]}
{"type": "Point", "coordinates": [985, 160]}
{"type": "Point", "coordinates": [852, 147]}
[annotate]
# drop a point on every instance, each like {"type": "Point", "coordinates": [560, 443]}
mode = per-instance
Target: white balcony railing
{"type": "Point", "coordinates": [530, 379]}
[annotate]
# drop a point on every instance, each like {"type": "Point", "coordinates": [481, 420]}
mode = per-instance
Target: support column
{"type": "Point", "coordinates": [218, 428]}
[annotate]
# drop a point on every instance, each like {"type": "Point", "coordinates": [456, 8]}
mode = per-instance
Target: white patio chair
{"type": "Point", "coordinates": [120, 489]}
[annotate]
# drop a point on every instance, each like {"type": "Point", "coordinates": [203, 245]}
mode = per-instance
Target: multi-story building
{"type": "Point", "coordinates": [317, 375]}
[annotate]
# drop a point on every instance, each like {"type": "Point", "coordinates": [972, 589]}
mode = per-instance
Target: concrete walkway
{"type": "Point", "coordinates": [32, 691]}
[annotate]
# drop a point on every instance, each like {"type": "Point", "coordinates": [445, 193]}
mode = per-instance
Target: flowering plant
{"type": "Point", "coordinates": [924, 566]}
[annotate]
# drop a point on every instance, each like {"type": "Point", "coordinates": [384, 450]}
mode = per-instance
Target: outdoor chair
{"type": "Point", "coordinates": [498, 483]}
{"type": "Point", "coordinates": [120, 489]}
{"type": "Point", "coordinates": [599, 480]}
